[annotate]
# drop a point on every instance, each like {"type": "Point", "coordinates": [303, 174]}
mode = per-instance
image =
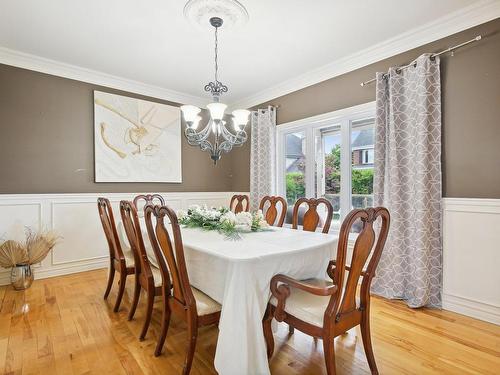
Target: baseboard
{"type": "Point", "coordinates": [465, 306]}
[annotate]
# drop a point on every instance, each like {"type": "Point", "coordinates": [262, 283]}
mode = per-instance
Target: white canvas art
{"type": "Point", "coordinates": [136, 140]}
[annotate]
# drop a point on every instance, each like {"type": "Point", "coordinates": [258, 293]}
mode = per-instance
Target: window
{"type": "Point", "coordinates": [295, 166]}
{"type": "Point", "coordinates": [366, 156]}
{"type": "Point", "coordinates": [339, 162]}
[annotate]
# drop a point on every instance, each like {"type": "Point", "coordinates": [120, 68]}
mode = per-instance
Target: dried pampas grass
{"type": "Point", "coordinates": [12, 253]}
{"type": "Point", "coordinates": [33, 251]}
{"type": "Point", "coordinates": [38, 245]}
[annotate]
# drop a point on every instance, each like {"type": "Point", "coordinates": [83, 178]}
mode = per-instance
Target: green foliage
{"type": "Point", "coordinates": [222, 220]}
{"type": "Point", "coordinates": [332, 171]}
{"type": "Point", "coordinates": [362, 179]}
{"type": "Point", "coordinates": [295, 186]}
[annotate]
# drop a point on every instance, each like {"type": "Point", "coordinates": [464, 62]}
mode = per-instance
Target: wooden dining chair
{"type": "Point", "coordinates": [236, 204]}
{"type": "Point", "coordinates": [328, 309]}
{"type": "Point", "coordinates": [119, 261]}
{"type": "Point", "coordinates": [179, 297]}
{"type": "Point", "coordinates": [311, 219]}
{"type": "Point", "coordinates": [271, 211]}
{"type": "Point", "coordinates": [147, 278]}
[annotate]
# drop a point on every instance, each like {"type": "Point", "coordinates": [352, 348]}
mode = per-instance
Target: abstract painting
{"type": "Point", "coordinates": [136, 140]}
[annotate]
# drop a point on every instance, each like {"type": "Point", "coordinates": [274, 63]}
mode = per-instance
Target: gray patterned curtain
{"type": "Point", "coordinates": [408, 182]}
{"type": "Point", "coordinates": [262, 155]}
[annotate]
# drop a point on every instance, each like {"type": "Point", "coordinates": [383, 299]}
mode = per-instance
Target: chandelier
{"type": "Point", "coordinates": [215, 137]}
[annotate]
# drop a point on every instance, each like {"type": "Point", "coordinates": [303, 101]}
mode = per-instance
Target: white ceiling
{"type": "Point", "coordinates": [150, 41]}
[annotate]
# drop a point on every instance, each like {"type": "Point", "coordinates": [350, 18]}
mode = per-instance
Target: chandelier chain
{"type": "Point", "coordinates": [216, 55]}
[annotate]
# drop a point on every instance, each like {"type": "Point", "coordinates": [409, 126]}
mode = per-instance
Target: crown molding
{"type": "Point", "coordinates": [465, 18]}
{"type": "Point", "coordinates": [60, 69]}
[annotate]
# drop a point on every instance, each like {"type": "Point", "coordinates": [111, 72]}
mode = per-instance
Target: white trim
{"type": "Point", "coordinates": [466, 306]}
{"type": "Point", "coordinates": [60, 69]}
{"type": "Point", "coordinates": [323, 118]}
{"type": "Point", "coordinates": [465, 18]}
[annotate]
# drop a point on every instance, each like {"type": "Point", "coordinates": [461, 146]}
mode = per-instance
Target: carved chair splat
{"type": "Point", "coordinates": [271, 213]}
{"type": "Point", "coordinates": [311, 219]}
{"type": "Point", "coordinates": [148, 199]}
{"type": "Point", "coordinates": [236, 204]}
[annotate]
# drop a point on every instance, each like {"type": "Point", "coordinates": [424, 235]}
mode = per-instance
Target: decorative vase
{"type": "Point", "coordinates": [21, 276]}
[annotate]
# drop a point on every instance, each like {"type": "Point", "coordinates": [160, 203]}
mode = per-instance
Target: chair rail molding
{"type": "Point", "coordinates": [471, 257]}
{"type": "Point", "coordinates": [75, 218]}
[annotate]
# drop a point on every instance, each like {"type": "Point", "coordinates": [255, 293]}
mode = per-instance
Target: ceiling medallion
{"type": "Point", "coordinates": [200, 12]}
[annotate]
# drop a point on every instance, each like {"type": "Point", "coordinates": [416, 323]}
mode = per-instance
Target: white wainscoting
{"type": "Point", "coordinates": [75, 218]}
{"type": "Point", "coordinates": [471, 257]}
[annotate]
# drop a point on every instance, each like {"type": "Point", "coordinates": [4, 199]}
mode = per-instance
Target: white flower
{"type": "Point", "coordinates": [259, 215]}
{"type": "Point", "coordinates": [194, 207]}
{"type": "Point", "coordinates": [244, 221]}
{"type": "Point", "coordinates": [181, 214]}
{"type": "Point", "coordinates": [228, 217]}
{"type": "Point", "coordinates": [263, 224]}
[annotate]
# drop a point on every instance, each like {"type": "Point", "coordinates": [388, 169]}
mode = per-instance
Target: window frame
{"type": "Point", "coordinates": [312, 126]}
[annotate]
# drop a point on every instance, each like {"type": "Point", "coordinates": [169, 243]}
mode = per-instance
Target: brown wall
{"type": "Point", "coordinates": [47, 141]}
{"type": "Point", "coordinates": [470, 103]}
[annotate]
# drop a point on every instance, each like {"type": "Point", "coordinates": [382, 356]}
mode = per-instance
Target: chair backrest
{"type": "Point", "coordinates": [271, 213]}
{"type": "Point", "coordinates": [367, 243]}
{"type": "Point", "coordinates": [109, 227]}
{"type": "Point", "coordinates": [311, 217]}
{"type": "Point", "coordinates": [133, 231]}
{"type": "Point", "coordinates": [171, 251]}
{"type": "Point", "coordinates": [236, 204]}
{"type": "Point", "coordinates": [148, 199]}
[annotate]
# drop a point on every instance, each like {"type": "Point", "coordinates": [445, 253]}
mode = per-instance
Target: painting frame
{"type": "Point", "coordinates": [136, 140]}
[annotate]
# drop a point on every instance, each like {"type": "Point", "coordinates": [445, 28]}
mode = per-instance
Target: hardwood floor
{"type": "Point", "coordinates": [63, 326]}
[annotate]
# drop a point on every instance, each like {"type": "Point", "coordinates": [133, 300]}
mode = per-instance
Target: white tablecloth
{"type": "Point", "coordinates": [237, 274]}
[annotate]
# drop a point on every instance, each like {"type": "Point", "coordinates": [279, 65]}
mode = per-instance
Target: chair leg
{"type": "Point", "coordinates": [329, 350]}
{"type": "Point", "coordinates": [121, 290]}
{"type": "Point", "coordinates": [291, 330]}
{"type": "Point", "coordinates": [191, 346]}
{"type": "Point", "coordinates": [111, 277]}
{"type": "Point", "coordinates": [135, 300]}
{"type": "Point", "coordinates": [164, 327]}
{"type": "Point", "coordinates": [268, 332]}
{"type": "Point", "coordinates": [367, 342]}
{"type": "Point", "coordinates": [149, 313]}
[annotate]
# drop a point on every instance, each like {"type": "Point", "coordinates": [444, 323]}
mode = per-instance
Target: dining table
{"type": "Point", "coordinates": [237, 274]}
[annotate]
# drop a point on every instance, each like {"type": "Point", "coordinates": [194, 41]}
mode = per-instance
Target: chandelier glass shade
{"type": "Point", "coordinates": [214, 137]}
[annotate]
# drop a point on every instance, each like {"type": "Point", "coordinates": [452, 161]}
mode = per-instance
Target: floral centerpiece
{"type": "Point", "coordinates": [20, 256]}
{"type": "Point", "coordinates": [222, 220]}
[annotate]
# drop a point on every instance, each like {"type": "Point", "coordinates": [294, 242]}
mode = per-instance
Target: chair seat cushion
{"type": "Point", "coordinates": [156, 276]}
{"type": "Point", "coordinates": [129, 258]}
{"type": "Point", "coordinates": [305, 306]}
{"type": "Point", "coordinates": [204, 304]}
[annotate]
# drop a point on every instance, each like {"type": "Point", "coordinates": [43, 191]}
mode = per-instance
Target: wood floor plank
{"type": "Point", "coordinates": [63, 326]}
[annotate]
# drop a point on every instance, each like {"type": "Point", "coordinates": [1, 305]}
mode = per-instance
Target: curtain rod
{"type": "Point", "coordinates": [450, 49]}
